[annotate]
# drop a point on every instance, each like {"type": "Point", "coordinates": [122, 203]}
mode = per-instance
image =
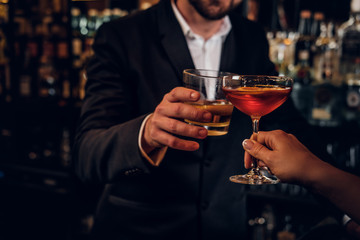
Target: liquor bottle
{"type": "Point", "coordinates": [349, 40]}
{"type": "Point", "coordinates": [319, 18]}
{"type": "Point", "coordinates": [305, 40]}
{"type": "Point", "coordinates": [302, 90]}
{"type": "Point", "coordinates": [327, 105]}
{"type": "Point", "coordinates": [282, 51]}
{"type": "Point", "coordinates": [106, 15]}
{"type": "Point", "coordinates": [83, 24]}
{"type": "Point", "coordinates": [326, 64]}
{"type": "Point", "coordinates": [117, 13]}
{"type": "Point", "coordinates": [349, 37]}
{"type": "Point", "coordinates": [77, 41]}
{"type": "Point", "coordinates": [59, 36]}
{"type": "Point", "coordinates": [352, 111]}
{"type": "Point", "coordinates": [75, 21]}
{"type": "Point", "coordinates": [79, 35]}
{"type": "Point", "coordinates": [92, 22]}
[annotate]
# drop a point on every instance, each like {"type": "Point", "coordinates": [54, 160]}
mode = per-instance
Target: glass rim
{"type": "Point", "coordinates": [257, 76]}
{"type": "Point", "coordinates": [221, 74]}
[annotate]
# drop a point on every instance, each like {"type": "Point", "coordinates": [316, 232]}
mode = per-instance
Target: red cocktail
{"type": "Point", "coordinates": [257, 101]}
{"type": "Point", "coordinates": [256, 96]}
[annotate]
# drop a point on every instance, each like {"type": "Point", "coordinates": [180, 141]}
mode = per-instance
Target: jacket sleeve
{"type": "Point", "coordinates": [106, 141]}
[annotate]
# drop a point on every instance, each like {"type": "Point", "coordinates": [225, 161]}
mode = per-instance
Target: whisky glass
{"type": "Point", "coordinates": [209, 84]}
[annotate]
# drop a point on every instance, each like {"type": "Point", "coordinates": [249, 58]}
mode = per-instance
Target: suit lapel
{"type": "Point", "coordinates": [233, 49]}
{"type": "Point", "coordinates": [228, 53]}
{"type": "Point", "coordinates": [173, 40]}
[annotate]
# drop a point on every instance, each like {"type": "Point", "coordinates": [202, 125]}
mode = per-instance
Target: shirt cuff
{"type": "Point", "coordinates": [157, 155]}
{"type": "Point", "coordinates": [346, 219]}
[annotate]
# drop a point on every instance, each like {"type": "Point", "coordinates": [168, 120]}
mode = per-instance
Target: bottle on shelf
{"type": "Point", "coordinates": [282, 50]}
{"type": "Point", "coordinates": [93, 22]}
{"type": "Point", "coordinates": [349, 43]}
{"type": "Point", "coordinates": [106, 15]}
{"type": "Point", "coordinates": [352, 99]}
{"type": "Point", "coordinates": [305, 40]}
{"type": "Point", "coordinates": [302, 89]}
{"type": "Point", "coordinates": [301, 71]}
{"type": "Point", "coordinates": [318, 19]}
{"type": "Point", "coordinates": [117, 12]}
{"type": "Point", "coordinates": [326, 62]}
{"type": "Point", "coordinates": [327, 99]}
{"type": "Point", "coordinates": [75, 21]}
{"type": "Point", "coordinates": [77, 43]}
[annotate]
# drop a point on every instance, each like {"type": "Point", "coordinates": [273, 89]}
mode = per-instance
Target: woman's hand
{"type": "Point", "coordinates": [282, 153]}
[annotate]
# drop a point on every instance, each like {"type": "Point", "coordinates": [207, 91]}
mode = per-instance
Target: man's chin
{"type": "Point", "coordinates": [214, 16]}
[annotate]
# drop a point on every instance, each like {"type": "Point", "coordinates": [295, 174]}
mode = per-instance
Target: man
{"type": "Point", "coordinates": [165, 179]}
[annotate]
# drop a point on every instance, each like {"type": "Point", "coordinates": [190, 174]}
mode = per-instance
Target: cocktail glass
{"type": "Point", "coordinates": [256, 96]}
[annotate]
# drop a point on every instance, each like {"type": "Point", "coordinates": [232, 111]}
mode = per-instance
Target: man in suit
{"type": "Point", "coordinates": [164, 179]}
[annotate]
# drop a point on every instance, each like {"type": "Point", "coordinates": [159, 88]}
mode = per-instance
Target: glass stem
{"type": "Point", "coordinates": [255, 125]}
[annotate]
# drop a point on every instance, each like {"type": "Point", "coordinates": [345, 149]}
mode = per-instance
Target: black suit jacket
{"type": "Point", "coordinates": [138, 59]}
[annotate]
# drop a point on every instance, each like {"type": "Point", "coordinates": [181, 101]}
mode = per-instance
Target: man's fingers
{"type": "Point", "coordinates": [183, 111]}
{"type": "Point", "coordinates": [181, 94]}
{"type": "Point", "coordinates": [166, 139]}
{"type": "Point", "coordinates": [180, 128]}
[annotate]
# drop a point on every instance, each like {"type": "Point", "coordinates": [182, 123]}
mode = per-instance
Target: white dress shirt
{"type": "Point", "coordinates": [206, 54]}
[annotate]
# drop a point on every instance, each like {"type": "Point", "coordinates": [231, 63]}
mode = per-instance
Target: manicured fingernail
{"type": "Point", "coordinates": [207, 116]}
{"type": "Point", "coordinates": [247, 144]}
{"type": "Point", "coordinates": [202, 132]}
{"type": "Point", "coordinates": [193, 95]}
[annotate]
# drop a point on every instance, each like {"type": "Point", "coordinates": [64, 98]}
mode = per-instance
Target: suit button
{"type": "Point", "coordinates": [132, 172]}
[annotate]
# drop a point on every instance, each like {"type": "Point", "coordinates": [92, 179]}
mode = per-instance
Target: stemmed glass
{"type": "Point", "coordinates": [256, 96]}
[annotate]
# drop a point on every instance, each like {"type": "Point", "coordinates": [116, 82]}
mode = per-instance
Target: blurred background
{"type": "Point", "coordinates": [44, 47]}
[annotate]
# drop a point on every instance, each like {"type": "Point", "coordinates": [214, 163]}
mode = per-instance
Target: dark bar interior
{"type": "Point", "coordinates": [45, 47]}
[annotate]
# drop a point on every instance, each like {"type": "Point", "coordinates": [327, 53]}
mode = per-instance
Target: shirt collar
{"type": "Point", "coordinates": [223, 31]}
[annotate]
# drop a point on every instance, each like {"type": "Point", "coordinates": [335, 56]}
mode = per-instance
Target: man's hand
{"type": "Point", "coordinates": [165, 126]}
